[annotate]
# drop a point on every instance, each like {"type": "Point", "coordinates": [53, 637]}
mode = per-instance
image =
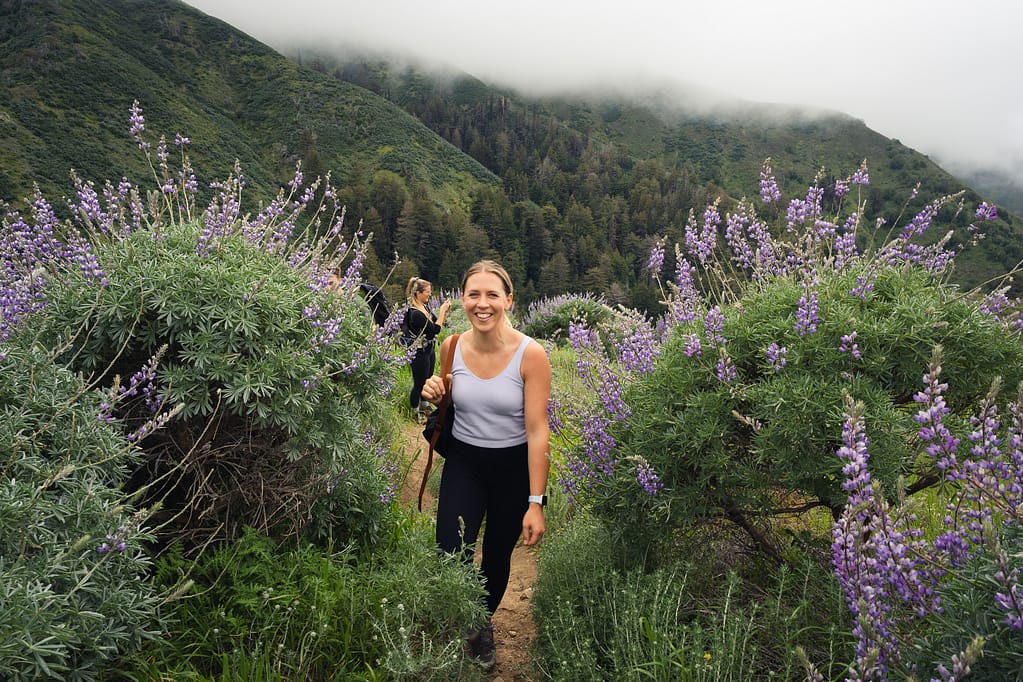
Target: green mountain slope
{"type": "Point", "coordinates": [576, 139]}
{"type": "Point", "coordinates": [70, 71]}
{"type": "Point", "coordinates": [570, 192]}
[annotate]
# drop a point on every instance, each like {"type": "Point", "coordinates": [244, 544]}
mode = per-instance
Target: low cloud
{"type": "Point", "coordinates": [939, 76]}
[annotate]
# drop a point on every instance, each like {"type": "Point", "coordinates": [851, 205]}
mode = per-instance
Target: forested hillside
{"type": "Point", "coordinates": [613, 171]}
{"type": "Point", "coordinates": [570, 193]}
{"type": "Point", "coordinates": [72, 69]}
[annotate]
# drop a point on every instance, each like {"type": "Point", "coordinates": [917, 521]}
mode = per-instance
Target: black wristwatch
{"type": "Point", "coordinates": [539, 499]}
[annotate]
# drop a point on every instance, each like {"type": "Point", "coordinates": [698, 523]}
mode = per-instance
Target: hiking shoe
{"type": "Point", "coordinates": [481, 643]}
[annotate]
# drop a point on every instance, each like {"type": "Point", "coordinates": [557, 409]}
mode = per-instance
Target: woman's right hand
{"type": "Point", "coordinates": [433, 389]}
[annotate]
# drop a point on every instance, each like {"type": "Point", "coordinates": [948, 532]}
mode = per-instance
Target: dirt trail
{"type": "Point", "coordinates": [514, 629]}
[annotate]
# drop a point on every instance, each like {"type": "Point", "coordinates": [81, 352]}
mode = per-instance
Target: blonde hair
{"type": "Point", "coordinates": [414, 286]}
{"type": "Point", "coordinates": [489, 266]}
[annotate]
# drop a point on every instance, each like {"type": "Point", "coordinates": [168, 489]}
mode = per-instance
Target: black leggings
{"type": "Point", "coordinates": [423, 364]}
{"type": "Point", "coordinates": [478, 482]}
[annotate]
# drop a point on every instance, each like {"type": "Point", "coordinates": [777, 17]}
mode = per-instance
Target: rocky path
{"type": "Point", "coordinates": [514, 629]}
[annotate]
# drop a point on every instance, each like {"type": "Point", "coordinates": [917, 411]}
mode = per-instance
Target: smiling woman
{"type": "Point", "coordinates": [498, 464]}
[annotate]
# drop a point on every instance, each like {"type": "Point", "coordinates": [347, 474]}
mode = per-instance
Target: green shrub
{"type": "Point", "coordinates": [597, 621]}
{"type": "Point", "coordinates": [73, 589]}
{"type": "Point", "coordinates": [550, 318]}
{"type": "Point", "coordinates": [765, 441]}
{"type": "Point", "coordinates": [281, 385]}
{"type": "Point", "coordinates": [306, 614]}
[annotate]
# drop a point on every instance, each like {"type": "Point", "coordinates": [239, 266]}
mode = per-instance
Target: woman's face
{"type": "Point", "coordinates": [485, 300]}
{"type": "Point", "coordinates": [424, 295]}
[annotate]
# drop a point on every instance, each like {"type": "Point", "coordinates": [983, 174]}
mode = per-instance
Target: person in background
{"type": "Point", "coordinates": [421, 327]}
{"type": "Point", "coordinates": [498, 466]}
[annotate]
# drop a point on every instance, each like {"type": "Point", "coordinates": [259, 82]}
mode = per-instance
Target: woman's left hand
{"type": "Point", "coordinates": [533, 525]}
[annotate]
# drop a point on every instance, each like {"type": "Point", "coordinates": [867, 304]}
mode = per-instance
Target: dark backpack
{"type": "Point", "coordinates": [374, 296]}
{"type": "Point", "coordinates": [407, 337]}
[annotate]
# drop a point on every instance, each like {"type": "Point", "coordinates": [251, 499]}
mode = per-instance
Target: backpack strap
{"type": "Point", "coordinates": [445, 370]}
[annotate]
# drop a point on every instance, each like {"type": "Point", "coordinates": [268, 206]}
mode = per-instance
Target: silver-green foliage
{"type": "Point", "coordinates": [280, 383]}
{"type": "Point", "coordinates": [550, 318]}
{"type": "Point", "coordinates": [72, 597]}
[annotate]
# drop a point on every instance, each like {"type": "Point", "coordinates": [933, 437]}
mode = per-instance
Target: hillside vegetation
{"type": "Point", "coordinates": [567, 192]}
{"type": "Point", "coordinates": [71, 70]}
{"type": "Point", "coordinates": [610, 170]}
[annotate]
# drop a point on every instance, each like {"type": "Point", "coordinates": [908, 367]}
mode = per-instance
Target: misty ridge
{"type": "Point", "coordinates": [669, 99]}
{"type": "Point", "coordinates": [570, 188]}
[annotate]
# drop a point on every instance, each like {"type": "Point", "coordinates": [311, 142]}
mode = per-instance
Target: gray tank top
{"type": "Point", "coordinates": [489, 413]}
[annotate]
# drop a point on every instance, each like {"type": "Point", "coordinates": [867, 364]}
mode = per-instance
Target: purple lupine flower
{"type": "Point", "coordinates": [647, 477]}
{"type": "Point", "coordinates": [797, 214]}
{"type": "Point", "coordinates": [986, 211]}
{"type": "Point", "coordinates": [845, 249]}
{"type": "Point", "coordinates": [686, 301]}
{"type": "Point", "coordinates": [116, 542]}
{"type": "Point", "coordinates": [736, 227]}
{"type": "Point", "coordinates": [137, 125]}
{"type": "Point", "coordinates": [807, 313]}
{"type": "Point", "coordinates": [766, 261]}
{"type": "Point", "coordinates": [597, 461]}
{"type": "Point", "coordinates": [88, 207]}
{"type": "Point", "coordinates": [814, 201]}
{"type": "Point", "coordinates": [701, 240]}
{"type": "Point", "coordinates": [863, 286]}
{"type": "Point", "coordinates": [714, 326]}
{"type": "Point", "coordinates": [996, 302]}
{"type": "Point", "coordinates": [725, 368]}
{"type": "Point", "coordinates": [656, 260]}
{"type": "Point", "coordinates": [143, 383]}
{"type": "Point", "coordinates": [1010, 599]}
{"type": "Point", "coordinates": [841, 188]}
{"type": "Point", "coordinates": [769, 191]}
{"type": "Point", "coordinates": [105, 412]}
{"type": "Point", "coordinates": [692, 346]}
{"type": "Point", "coordinates": [849, 345]}
{"type": "Point", "coordinates": [861, 176]}
{"type": "Point", "coordinates": [942, 445]}
{"type": "Point", "coordinates": [636, 348]}
{"type": "Point", "coordinates": [875, 560]}
{"type": "Point", "coordinates": [296, 180]}
{"type": "Point", "coordinates": [599, 377]}
{"type": "Point", "coordinates": [777, 356]}
{"type": "Point", "coordinates": [922, 220]}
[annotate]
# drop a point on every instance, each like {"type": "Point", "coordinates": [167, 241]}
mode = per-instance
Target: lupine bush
{"type": "Point", "coordinates": [732, 435]}
{"type": "Point", "coordinates": [278, 392]}
{"type": "Point", "coordinates": [949, 605]}
{"type": "Point", "coordinates": [277, 379]}
{"type": "Point", "coordinates": [550, 318]}
{"type": "Point", "coordinates": [239, 388]}
{"type": "Point", "coordinates": [735, 419]}
{"type": "Point", "coordinates": [73, 594]}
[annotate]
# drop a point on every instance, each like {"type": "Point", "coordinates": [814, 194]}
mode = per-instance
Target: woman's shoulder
{"type": "Point", "coordinates": [534, 353]}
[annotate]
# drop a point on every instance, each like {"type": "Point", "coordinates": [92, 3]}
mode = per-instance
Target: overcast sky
{"type": "Point", "coordinates": [942, 77]}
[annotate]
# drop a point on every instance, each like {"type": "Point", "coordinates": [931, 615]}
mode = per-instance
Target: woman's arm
{"type": "Point", "coordinates": [536, 376]}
